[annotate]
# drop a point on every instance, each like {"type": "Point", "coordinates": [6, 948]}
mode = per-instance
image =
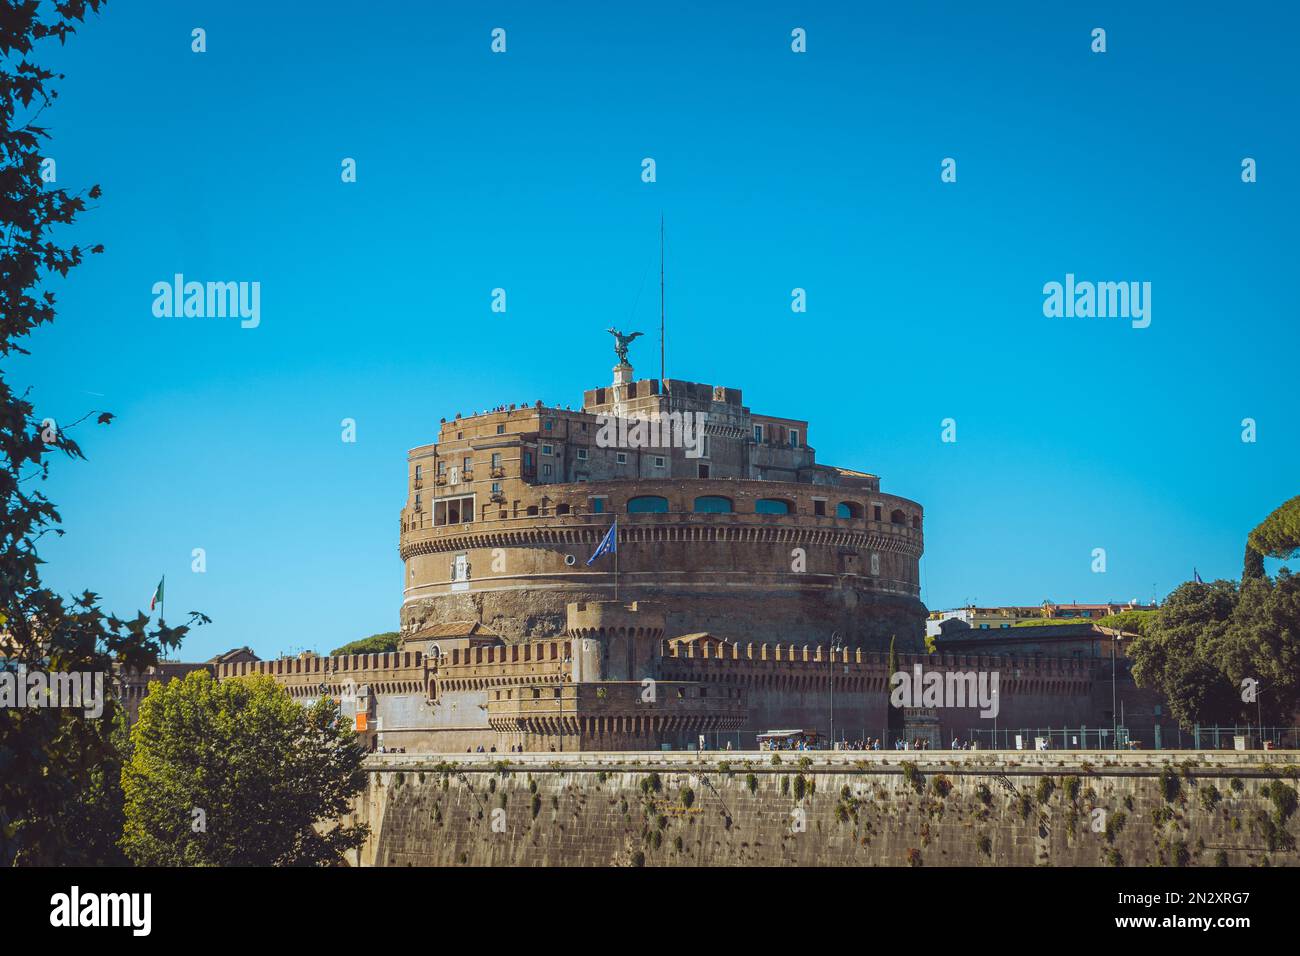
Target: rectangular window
{"type": "Point", "coordinates": [417, 472]}
{"type": "Point", "coordinates": [704, 471]}
{"type": "Point", "coordinates": [496, 487]}
{"type": "Point", "coordinates": [548, 450]}
{"type": "Point", "coordinates": [621, 458]}
{"type": "Point", "coordinates": [528, 460]}
{"type": "Point", "coordinates": [875, 511]}
{"type": "Point", "coordinates": [819, 507]}
{"type": "Point", "coordinates": [467, 464]}
{"type": "Point", "coordinates": [546, 471]}
{"type": "Point", "coordinates": [794, 438]}
{"type": "Point", "coordinates": [598, 506]}
{"type": "Point", "coordinates": [417, 501]}
{"type": "Point", "coordinates": [550, 424]}
{"type": "Point", "coordinates": [501, 429]}
{"type": "Point", "coordinates": [582, 454]}
{"type": "Point", "coordinates": [442, 467]}
{"type": "Point", "coordinates": [659, 461]}
{"type": "Point", "coordinates": [758, 434]}
{"type": "Point", "coordinates": [453, 510]}
{"type": "Point", "coordinates": [496, 459]}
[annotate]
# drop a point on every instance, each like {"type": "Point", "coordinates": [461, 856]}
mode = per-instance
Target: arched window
{"type": "Point", "coordinates": [897, 517]}
{"type": "Point", "coordinates": [772, 506]}
{"type": "Point", "coordinates": [647, 503]}
{"type": "Point", "coordinates": [713, 505]}
{"type": "Point", "coordinates": [848, 509]}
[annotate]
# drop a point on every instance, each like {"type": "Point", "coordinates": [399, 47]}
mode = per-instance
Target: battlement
{"type": "Point", "coordinates": [526, 652]}
{"type": "Point", "coordinates": [639, 619]}
{"type": "Point", "coordinates": [791, 667]}
{"type": "Point", "coordinates": [322, 667]}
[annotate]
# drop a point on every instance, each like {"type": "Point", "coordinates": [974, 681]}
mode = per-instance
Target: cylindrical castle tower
{"type": "Point", "coordinates": [724, 519]}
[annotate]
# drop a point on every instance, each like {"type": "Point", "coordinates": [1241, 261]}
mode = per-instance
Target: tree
{"type": "Point", "coordinates": [894, 722]}
{"type": "Point", "coordinates": [93, 821]}
{"type": "Point", "coordinates": [238, 773]}
{"type": "Point", "coordinates": [1130, 622]}
{"type": "Point", "coordinates": [48, 756]}
{"type": "Point", "coordinates": [1209, 640]}
{"type": "Point", "coordinates": [1278, 535]}
{"type": "Point", "coordinates": [1198, 692]}
{"type": "Point", "coordinates": [1263, 645]}
{"type": "Point", "coordinates": [380, 643]}
{"type": "Point", "coordinates": [1180, 653]}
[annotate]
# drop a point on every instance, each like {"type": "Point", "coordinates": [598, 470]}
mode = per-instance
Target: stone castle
{"type": "Point", "coordinates": [751, 589]}
{"type": "Point", "coordinates": [725, 518]}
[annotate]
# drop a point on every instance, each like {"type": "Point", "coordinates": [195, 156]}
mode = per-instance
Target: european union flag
{"type": "Point", "coordinates": [608, 544]}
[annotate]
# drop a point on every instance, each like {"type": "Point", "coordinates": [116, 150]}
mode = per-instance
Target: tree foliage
{"type": "Point", "coordinates": [48, 757]}
{"type": "Point", "coordinates": [1130, 622]}
{"type": "Point", "coordinates": [238, 773]}
{"type": "Point", "coordinates": [1278, 535]}
{"type": "Point", "coordinates": [1209, 641]}
{"type": "Point", "coordinates": [93, 821]}
{"type": "Point", "coordinates": [1177, 654]}
{"type": "Point", "coordinates": [380, 643]}
{"type": "Point", "coordinates": [1252, 565]}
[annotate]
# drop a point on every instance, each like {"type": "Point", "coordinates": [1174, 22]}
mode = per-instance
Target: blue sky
{"type": "Point", "coordinates": [775, 171]}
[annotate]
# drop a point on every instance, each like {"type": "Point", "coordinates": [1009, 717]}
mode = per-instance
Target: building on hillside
{"type": "Point", "coordinates": [992, 618]}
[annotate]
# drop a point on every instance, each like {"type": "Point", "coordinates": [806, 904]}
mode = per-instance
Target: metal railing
{"type": "Point", "coordinates": [1105, 738]}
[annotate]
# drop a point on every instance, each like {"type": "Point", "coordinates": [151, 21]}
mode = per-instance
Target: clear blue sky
{"type": "Point", "coordinates": [775, 170]}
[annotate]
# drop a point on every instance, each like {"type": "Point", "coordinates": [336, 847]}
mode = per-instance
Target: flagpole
{"type": "Point", "coordinates": [662, 370]}
{"type": "Point", "coordinates": [615, 530]}
{"type": "Point", "coordinates": [162, 601]}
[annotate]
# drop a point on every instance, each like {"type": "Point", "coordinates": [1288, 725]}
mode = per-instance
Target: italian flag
{"type": "Point", "coordinates": [157, 594]}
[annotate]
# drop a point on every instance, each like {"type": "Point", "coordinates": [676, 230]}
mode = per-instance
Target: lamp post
{"type": "Point", "coordinates": [836, 644]}
{"type": "Point", "coordinates": [1259, 714]}
{"type": "Point", "coordinates": [1114, 711]}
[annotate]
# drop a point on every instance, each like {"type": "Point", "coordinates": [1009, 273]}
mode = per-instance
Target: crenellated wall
{"type": "Point", "coordinates": [616, 683]}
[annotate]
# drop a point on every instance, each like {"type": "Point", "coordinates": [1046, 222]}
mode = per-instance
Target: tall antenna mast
{"type": "Point", "coordinates": [662, 380]}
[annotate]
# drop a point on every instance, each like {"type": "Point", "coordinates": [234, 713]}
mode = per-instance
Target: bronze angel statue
{"type": "Point", "coordinates": [621, 343]}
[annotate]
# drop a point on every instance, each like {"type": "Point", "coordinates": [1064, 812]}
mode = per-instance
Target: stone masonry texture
{"type": "Point", "coordinates": [742, 809]}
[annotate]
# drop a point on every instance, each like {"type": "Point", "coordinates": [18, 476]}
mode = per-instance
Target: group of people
{"type": "Point", "coordinates": [923, 743]}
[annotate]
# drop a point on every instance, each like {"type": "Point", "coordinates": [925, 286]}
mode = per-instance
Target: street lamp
{"type": "Point", "coordinates": [1114, 711]}
{"type": "Point", "coordinates": [1259, 715]}
{"type": "Point", "coordinates": [836, 643]}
